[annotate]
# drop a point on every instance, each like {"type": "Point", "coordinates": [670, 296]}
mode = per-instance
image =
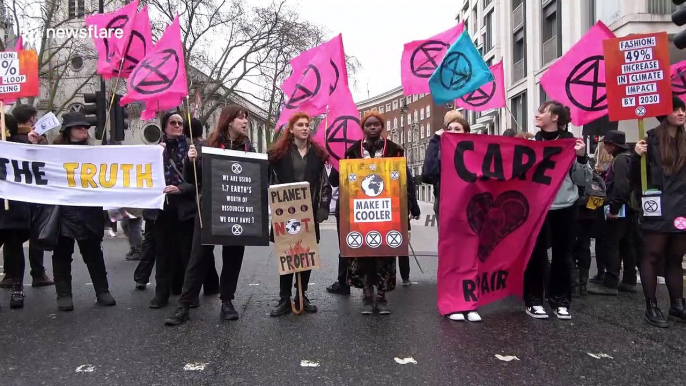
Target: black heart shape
{"type": "Point", "coordinates": [493, 220]}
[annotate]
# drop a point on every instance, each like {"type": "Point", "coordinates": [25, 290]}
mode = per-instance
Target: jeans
{"type": "Point", "coordinates": [132, 230]}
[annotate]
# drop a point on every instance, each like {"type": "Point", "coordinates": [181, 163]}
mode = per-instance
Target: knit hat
{"type": "Point", "coordinates": [677, 103]}
{"type": "Point", "coordinates": [450, 116]}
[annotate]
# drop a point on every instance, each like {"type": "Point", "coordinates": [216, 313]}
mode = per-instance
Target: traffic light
{"type": "Point", "coordinates": [679, 18]}
{"type": "Point", "coordinates": [96, 112]}
{"type": "Point", "coordinates": [118, 119]}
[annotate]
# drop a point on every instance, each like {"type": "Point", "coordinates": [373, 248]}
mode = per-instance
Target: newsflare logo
{"type": "Point", "coordinates": [91, 32]}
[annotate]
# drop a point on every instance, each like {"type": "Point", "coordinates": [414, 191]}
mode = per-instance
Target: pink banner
{"type": "Point", "coordinates": [577, 79]}
{"type": "Point", "coordinates": [319, 78]}
{"type": "Point", "coordinates": [677, 72]}
{"type": "Point", "coordinates": [159, 80]}
{"type": "Point", "coordinates": [110, 50]}
{"type": "Point", "coordinates": [134, 47]}
{"type": "Point", "coordinates": [421, 58]}
{"type": "Point", "coordinates": [489, 96]}
{"type": "Point", "coordinates": [495, 194]}
{"type": "Point", "coordinates": [340, 128]}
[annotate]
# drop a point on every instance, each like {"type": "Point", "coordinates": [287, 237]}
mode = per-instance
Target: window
{"type": "Point", "coordinates": [388, 107]}
{"type": "Point", "coordinates": [409, 135]}
{"type": "Point", "coordinates": [476, 24]}
{"type": "Point", "coordinates": [518, 107]}
{"type": "Point", "coordinates": [542, 93]}
{"type": "Point", "coordinates": [388, 125]}
{"type": "Point", "coordinates": [421, 131]}
{"type": "Point", "coordinates": [381, 110]}
{"type": "Point", "coordinates": [428, 111]}
{"type": "Point", "coordinates": [488, 35]}
{"type": "Point", "coordinates": [395, 105]}
{"type": "Point", "coordinates": [76, 8]}
{"type": "Point", "coordinates": [76, 62]}
{"type": "Point", "coordinates": [516, 3]}
{"type": "Point", "coordinates": [416, 116]}
{"type": "Point", "coordinates": [409, 119]}
{"type": "Point", "coordinates": [519, 56]}
{"type": "Point", "coordinates": [402, 136]}
{"type": "Point", "coordinates": [551, 33]}
{"type": "Point", "coordinates": [395, 122]}
{"type": "Point", "coordinates": [402, 121]}
{"type": "Point", "coordinates": [428, 129]}
{"type": "Point", "coordinates": [421, 114]}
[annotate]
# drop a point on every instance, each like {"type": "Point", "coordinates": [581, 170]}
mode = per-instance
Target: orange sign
{"type": "Point", "coordinates": [373, 205]}
{"type": "Point", "coordinates": [637, 76]}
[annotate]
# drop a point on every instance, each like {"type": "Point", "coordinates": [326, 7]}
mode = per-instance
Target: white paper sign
{"type": "Point", "coordinates": [46, 123]}
{"type": "Point", "coordinates": [652, 206]}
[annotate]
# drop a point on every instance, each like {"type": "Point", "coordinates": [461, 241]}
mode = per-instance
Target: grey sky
{"type": "Point", "coordinates": [374, 31]}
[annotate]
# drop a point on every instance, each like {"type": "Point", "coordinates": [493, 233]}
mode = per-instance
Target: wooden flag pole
{"type": "Point", "coordinates": [644, 167]}
{"type": "Point", "coordinates": [4, 137]}
{"type": "Point", "coordinates": [300, 297]}
{"type": "Point", "coordinates": [195, 169]}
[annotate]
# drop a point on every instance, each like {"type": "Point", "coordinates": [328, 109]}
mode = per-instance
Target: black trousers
{"type": "Point", "coordinates": [404, 267]}
{"type": "Point", "coordinates": [342, 261]}
{"type": "Point", "coordinates": [202, 256]}
{"type": "Point", "coordinates": [91, 252]}
{"type": "Point", "coordinates": [173, 246]}
{"type": "Point", "coordinates": [559, 225]}
{"type": "Point", "coordinates": [620, 248]}
{"type": "Point", "coordinates": [12, 243]}
{"type": "Point", "coordinates": [581, 251]}
{"type": "Point", "coordinates": [148, 252]}
{"type": "Point", "coordinates": [285, 282]}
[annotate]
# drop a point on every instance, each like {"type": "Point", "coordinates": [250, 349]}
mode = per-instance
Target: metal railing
{"type": "Point", "coordinates": [518, 70]}
{"type": "Point", "coordinates": [518, 17]}
{"type": "Point", "coordinates": [550, 50]}
{"type": "Point", "coordinates": [661, 7]}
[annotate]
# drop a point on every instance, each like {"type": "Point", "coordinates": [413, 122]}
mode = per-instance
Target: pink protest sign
{"type": "Point", "coordinates": [677, 72]}
{"type": "Point", "coordinates": [577, 79]}
{"type": "Point", "coordinates": [489, 96]}
{"type": "Point", "coordinates": [421, 58]}
{"type": "Point", "coordinates": [134, 47]}
{"type": "Point", "coordinates": [500, 190]}
{"type": "Point", "coordinates": [111, 49]}
{"type": "Point", "coordinates": [159, 80]}
{"type": "Point", "coordinates": [343, 128]}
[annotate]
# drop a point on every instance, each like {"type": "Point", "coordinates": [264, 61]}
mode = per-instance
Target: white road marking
{"type": "Point", "coordinates": [506, 358]}
{"type": "Point", "coordinates": [85, 369]}
{"type": "Point", "coordinates": [306, 363]}
{"type": "Point", "coordinates": [405, 361]}
{"type": "Point", "coordinates": [599, 355]}
{"type": "Point", "coordinates": [194, 366]}
{"type": "Point", "coordinates": [254, 284]}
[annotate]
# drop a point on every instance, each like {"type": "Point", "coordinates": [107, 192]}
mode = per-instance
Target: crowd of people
{"type": "Point", "coordinates": [625, 238]}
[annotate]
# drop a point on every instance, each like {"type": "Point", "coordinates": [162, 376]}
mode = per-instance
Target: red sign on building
{"type": "Point", "coordinates": [637, 76]}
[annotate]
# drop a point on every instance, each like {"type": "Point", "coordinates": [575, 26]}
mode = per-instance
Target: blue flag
{"type": "Point", "coordinates": [462, 71]}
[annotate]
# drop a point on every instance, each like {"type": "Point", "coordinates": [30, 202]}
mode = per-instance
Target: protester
{"type": "Point", "coordinates": [510, 133]}
{"type": "Point", "coordinates": [665, 240]}
{"type": "Point", "coordinates": [553, 118]}
{"type": "Point", "coordinates": [229, 134]}
{"type": "Point", "coordinates": [619, 245]}
{"type": "Point", "coordinates": [432, 174]}
{"type": "Point", "coordinates": [174, 225]}
{"type": "Point", "coordinates": [295, 157]}
{"type": "Point", "coordinates": [603, 160]}
{"type": "Point", "coordinates": [370, 272]}
{"type": "Point", "coordinates": [131, 225]}
{"type": "Point", "coordinates": [148, 251]}
{"type": "Point", "coordinates": [81, 224]}
{"type": "Point", "coordinates": [340, 286]}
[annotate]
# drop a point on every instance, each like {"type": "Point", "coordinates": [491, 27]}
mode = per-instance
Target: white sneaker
{"type": "Point", "coordinates": [458, 317]}
{"type": "Point", "coordinates": [562, 313]}
{"type": "Point", "coordinates": [111, 233]}
{"type": "Point", "coordinates": [537, 312]}
{"type": "Point", "coordinates": [473, 316]}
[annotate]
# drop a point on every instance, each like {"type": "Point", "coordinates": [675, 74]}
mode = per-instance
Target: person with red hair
{"type": "Point", "coordinates": [295, 157]}
{"type": "Point", "coordinates": [379, 272]}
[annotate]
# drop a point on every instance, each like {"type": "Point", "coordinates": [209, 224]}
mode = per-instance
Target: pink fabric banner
{"type": "Point", "coordinates": [577, 79]}
{"type": "Point", "coordinates": [677, 73]}
{"type": "Point", "coordinates": [159, 80]}
{"type": "Point", "coordinates": [320, 77]}
{"type": "Point", "coordinates": [340, 128]}
{"type": "Point", "coordinates": [489, 96]}
{"type": "Point", "coordinates": [110, 50]}
{"type": "Point", "coordinates": [134, 47]}
{"type": "Point", "coordinates": [422, 57]}
{"type": "Point", "coordinates": [495, 194]}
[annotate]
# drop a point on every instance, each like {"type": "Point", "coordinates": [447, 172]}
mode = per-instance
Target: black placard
{"type": "Point", "coordinates": [234, 198]}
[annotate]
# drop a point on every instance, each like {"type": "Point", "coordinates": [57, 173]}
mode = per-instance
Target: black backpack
{"type": "Point", "coordinates": [593, 195]}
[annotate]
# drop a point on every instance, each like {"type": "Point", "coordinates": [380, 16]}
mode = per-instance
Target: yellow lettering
{"type": "Point", "coordinates": [71, 167]}
{"type": "Point", "coordinates": [88, 171]}
{"type": "Point", "coordinates": [144, 176]}
{"type": "Point", "coordinates": [104, 181]}
{"type": "Point", "coordinates": [126, 169]}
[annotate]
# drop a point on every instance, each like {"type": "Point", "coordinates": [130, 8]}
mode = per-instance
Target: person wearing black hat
{"type": "Point", "coordinates": [82, 225]}
{"type": "Point", "coordinates": [621, 225]}
{"type": "Point", "coordinates": [663, 219]}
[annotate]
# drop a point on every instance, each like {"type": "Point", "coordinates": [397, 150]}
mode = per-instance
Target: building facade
{"type": "Point", "coordinates": [410, 121]}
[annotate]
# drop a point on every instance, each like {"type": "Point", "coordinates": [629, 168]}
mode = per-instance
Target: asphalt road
{"type": "Point", "coordinates": [606, 343]}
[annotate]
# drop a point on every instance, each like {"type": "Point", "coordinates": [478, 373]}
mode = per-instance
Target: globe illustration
{"type": "Point", "coordinates": [293, 226]}
{"type": "Point", "coordinates": [372, 185]}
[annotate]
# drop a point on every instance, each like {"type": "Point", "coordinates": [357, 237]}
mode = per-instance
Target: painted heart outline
{"type": "Point", "coordinates": [493, 220]}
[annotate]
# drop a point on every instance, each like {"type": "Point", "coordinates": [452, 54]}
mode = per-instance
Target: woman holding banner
{"type": "Point", "coordinates": [379, 272]}
{"type": "Point", "coordinates": [553, 118]}
{"type": "Point", "coordinates": [229, 134]}
{"type": "Point", "coordinates": [665, 234]}
{"type": "Point", "coordinates": [173, 230]}
{"type": "Point", "coordinates": [295, 157]}
{"type": "Point", "coordinates": [82, 225]}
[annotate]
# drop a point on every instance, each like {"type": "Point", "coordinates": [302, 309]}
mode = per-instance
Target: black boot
{"type": "Point", "coordinates": [583, 280]}
{"type": "Point", "coordinates": [677, 312]}
{"type": "Point", "coordinates": [576, 289]}
{"type": "Point", "coordinates": [599, 289]}
{"type": "Point", "coordinates": [307, 306]}
{"type": "Point", "coordinates": [283, 308]}
{"type": "Point", "coordinates": [161, 298]}
{"type": "Point", "coordinates": [338, 288]}
{"type": "Point", "coordinates": [64, 299]}
{"type": "Point", "coordinates": [179, 316]}
{"type": "Point", "coordinates": [17, 296]}
{"type": "Point", "coordinates": [102, 291]}
{"type": "Point", "coordinates": [653, 315]}
{"type": "Point", "coordinates": [599, 278]}
{"type": "Point", "coordinates": [228, 311]}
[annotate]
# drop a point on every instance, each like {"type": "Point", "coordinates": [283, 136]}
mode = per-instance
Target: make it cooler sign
{"type": "Point", "coordinates": [18, 74]}
{"type": "Point", "coordinates": [637, 76]}
{"type": "Point", "coordinates": [234, 198]}
{"type": "Point", "coordinates": [373, 207]}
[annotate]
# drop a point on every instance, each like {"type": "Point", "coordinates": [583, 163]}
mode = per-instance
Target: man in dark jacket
{"type": "Point", "coordinates": [621, 226]}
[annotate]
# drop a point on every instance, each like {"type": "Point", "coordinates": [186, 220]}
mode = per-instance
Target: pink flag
{"type": "Point", "coordinates": [677, 73]}
{"type": "Point", "coordinates": [110, 50]}
{"type": "Point", "coordinates": [340, 128]}
{"type": "Point", "coordinates": [20, 44]}
{"type": "Point", "coordinates": [133, 47]}
{"type": "Point", "coordinates": [421, 58]}
{"type": "Point", "coordinates": [577, 79]}
{"type": "Point", "coordinates": [320, 75]}
{"type": "Point", "coordinates": [159, 80]}
{"type": "Point", "coordinates": [489, 96]}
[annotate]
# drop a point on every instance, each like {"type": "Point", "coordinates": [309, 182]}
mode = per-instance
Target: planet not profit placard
{"type": "Point", "coordinates": [295, 239]}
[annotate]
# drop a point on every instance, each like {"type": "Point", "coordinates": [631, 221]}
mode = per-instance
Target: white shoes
{"type": "Point", "coordinates": [472, 316]}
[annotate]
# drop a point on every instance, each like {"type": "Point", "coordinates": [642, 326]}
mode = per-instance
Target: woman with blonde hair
{"type": "Point", "coordinates": [603, 160]}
